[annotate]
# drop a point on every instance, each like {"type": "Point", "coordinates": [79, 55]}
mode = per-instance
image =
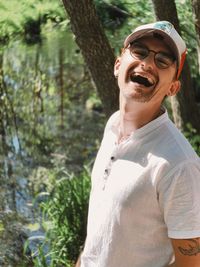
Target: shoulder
{"type": "Point", "coordinates": [173, 148]}
{"type": "Point", "coordinates": [184, 172]}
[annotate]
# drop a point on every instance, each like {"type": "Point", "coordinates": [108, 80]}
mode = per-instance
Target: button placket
{"type": "Point", "coordinates": [107, 171]}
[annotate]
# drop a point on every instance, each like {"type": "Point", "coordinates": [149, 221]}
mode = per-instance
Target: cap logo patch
{"type": "Point", "coordinates": [164, 26]}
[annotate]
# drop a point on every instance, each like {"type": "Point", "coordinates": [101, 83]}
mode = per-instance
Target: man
{"type": "Point", "coordinates": [144, 206]}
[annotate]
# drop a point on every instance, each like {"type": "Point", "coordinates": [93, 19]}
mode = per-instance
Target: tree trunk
{"type": "Point", "coordinates": [95, 49]}
{"type": "Point", "coordinates": [185, 109]}
{"type": "Point", "coordinates": [196, 11]}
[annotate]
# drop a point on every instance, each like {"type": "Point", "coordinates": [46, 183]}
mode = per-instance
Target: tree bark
{"type": "Point", "coordinates": [95, 49]}
{"type": "Point", "coordinates": [185, 109]}
{"type": "Point", "coordinates": [196, 12]}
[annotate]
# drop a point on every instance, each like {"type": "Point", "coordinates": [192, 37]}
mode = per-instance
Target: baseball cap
{"type": "Point", "coordinates": [170, 36]}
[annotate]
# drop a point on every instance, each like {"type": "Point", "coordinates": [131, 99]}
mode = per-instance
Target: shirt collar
{"type": "Point", "coordinates": [147, 128]}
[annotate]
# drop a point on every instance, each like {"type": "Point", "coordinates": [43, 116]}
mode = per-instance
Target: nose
{"type": "Point", "coordinates": [149, 61]}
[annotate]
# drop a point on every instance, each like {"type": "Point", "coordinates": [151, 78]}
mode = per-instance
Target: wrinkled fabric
{"type": "Point", "coordinates": [145, 191]}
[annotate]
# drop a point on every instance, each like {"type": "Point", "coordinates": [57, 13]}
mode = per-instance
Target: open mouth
{"type": "Point", "coordinates": [147, 82]}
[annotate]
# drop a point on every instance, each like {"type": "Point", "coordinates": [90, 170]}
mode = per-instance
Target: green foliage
{"type": "Point", "coordinates": [184, 9]}
{"type": "Point", "coordinates": [16, 16]}
{"type": "Point", "coordinates": [112, 14]}
{"type": "Point", "coordinates": [47, 92]}
{"type": "Point", "coordinates": [66, 212]}
{"type": "Point", "coordinates": [189, 34]}
{"type": "Point", "coordinates": [134, 14]}
{"type": "Point", "coordinates": [36, 101]}
{"type": "Point", "coordinates": [192, 136]}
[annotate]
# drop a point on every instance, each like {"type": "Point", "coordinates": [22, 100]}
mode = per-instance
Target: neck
{"type": "Point", "coordinates": [134, 115]}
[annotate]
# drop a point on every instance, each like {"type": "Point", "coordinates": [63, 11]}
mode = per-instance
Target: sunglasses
{"type": "Point", "coordinates": [162, 60]}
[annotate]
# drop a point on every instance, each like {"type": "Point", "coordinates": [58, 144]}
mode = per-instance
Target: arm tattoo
{"type": "Point", "coordinates": [192, 249]}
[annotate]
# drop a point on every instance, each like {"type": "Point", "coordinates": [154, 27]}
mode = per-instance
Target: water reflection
{"type": "Point", "coordinates": [44, 117]}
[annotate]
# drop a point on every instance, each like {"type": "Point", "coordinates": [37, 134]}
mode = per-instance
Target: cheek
{"type": "Point", "coordinates": [127, 63]}
{"type": "Point", "coordinates": [122, 72]}
{"type": "Point", "coordinates": [162, 88]}
{"type": "Point", "coordinates": [166, 78]}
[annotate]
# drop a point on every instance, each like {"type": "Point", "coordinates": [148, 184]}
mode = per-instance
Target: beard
{"type": "Point", "coordinates": [140, 94]}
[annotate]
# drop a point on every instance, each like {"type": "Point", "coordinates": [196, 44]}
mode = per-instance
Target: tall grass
{"type": "Point", "coordinates": [65, 219]}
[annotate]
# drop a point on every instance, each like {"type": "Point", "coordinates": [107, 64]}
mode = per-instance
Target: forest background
{"type": "Point", "coordinates": [49, 110]}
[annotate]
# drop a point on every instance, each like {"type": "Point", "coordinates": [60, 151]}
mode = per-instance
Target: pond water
{"type": "Point", "coordinates": [47, 119]}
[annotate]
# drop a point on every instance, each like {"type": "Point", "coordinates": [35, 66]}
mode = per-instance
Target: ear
{"type": "Point", "coordinates": [117, 66]}
{"type": "Point", "coordinates": [175, 87]}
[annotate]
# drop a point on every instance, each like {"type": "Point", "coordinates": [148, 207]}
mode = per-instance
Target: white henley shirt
{"type": "Point", "coordinates": [145, 191]}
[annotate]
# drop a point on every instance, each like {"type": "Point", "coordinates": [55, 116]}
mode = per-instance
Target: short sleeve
{"type": "Point", "coordinates": [179, 199]}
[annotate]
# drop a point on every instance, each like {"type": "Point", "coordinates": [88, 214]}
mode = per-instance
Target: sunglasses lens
{"type": "Point", "coordinates": [139, 52]}
{"type": "Point", "coordinates": [163, 60]}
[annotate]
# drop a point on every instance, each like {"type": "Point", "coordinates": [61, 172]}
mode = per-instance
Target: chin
{"type": "Point", "coordinates": [138, 94]}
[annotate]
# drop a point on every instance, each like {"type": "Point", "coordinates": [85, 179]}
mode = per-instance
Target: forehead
{"type": "Point", "coordinates": [155, 44]}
